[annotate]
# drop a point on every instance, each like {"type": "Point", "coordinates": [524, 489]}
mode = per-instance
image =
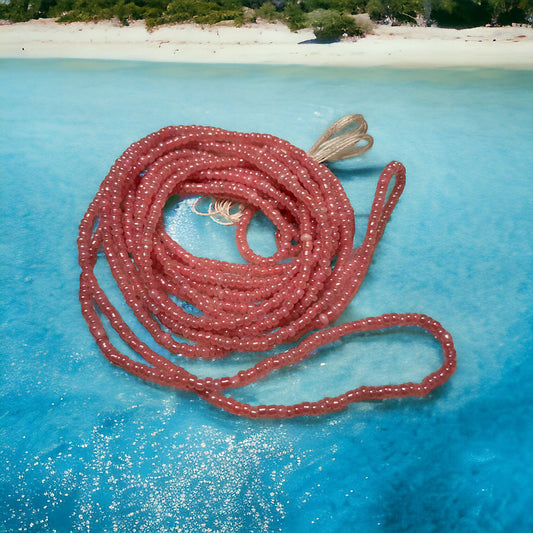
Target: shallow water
{"type": "Point", "coordinates": [86, 447]}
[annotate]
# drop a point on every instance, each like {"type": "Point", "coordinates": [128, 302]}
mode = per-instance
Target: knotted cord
{"type": "Point", "coordinates": [293, 296]}
{"type": "Point", "coordinates": [341, 140]}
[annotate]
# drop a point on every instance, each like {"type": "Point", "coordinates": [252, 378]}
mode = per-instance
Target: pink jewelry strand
{"type": "Point", "coordinates": [294, 295]}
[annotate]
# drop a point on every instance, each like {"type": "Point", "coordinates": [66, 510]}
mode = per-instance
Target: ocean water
{"type": "Point", "coordinates": [85, 447]}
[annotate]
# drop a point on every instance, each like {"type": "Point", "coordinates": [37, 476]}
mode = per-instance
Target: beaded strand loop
{"type": "Point", "coordinates": [303, 287]}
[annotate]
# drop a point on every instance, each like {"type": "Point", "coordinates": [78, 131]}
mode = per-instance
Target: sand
{"type": "Point", "coordinates": [264, 43]}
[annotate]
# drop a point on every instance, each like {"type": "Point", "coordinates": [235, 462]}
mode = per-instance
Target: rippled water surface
{"type": "Point", "coordinates": [86, 447]}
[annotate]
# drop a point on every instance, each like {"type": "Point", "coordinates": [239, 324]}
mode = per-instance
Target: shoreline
{"type": "Point", "coordinates": [271, 44]}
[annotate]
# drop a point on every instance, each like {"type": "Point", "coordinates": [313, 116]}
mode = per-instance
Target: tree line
{"type": "Point", "coordinates": [331, 17]}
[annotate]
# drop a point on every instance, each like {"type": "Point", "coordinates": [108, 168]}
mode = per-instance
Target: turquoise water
{"type": "Point", "coordinates": [86, 447]}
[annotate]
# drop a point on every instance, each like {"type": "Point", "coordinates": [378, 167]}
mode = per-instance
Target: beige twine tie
{"type": "Point", "coordinates": [224, 212]}
{"type": "Point", "coordinates": [340, 141]}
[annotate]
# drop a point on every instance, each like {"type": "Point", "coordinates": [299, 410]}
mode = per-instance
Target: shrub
{"type": "Point", "coordinates": [376, 9]}
{"type": "Point", "coordinates": [267, 12]}
{"type": "Point", "coordinates": [396, 10]}
{"type": "Point", "coordinates": [364, 23]}
{"type": "Point", "coordinates": [202, 12]}
{"type": "Point", "coordinates": [330, 25]}
{"type": "Point", "coordinates": [152, 22]}
{"type": "Point", "coordinates": [294, 17]}
{"type": "Point", "coordinates": [248, 15]}
{"type": "Point", "coordinates": [343, 6]}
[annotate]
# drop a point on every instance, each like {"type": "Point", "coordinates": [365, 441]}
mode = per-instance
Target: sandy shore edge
{"type": "Point", "coordinates": [400, 46]}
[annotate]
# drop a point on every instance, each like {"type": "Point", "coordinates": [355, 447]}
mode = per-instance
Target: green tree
{"type": "Point", "coordinates": [396, 10]}
{"type": "Point", "coordinates": [461, 13]}
{"type": "Point", "coordinates": [407, 10]}
{"type": "Point", "coordinates": [267, 12]}
{"type": "Point", "coordinates": [202, 11]}
{"type": "Point", "coordinates": [376, 9]}
{"type": "Point", "coordinates": [17, 11]}
{"type": "Point", "coordinates": [343, 6]}
{"type": "Point", "coordinates": [506, 12]}
{"type": "Point", "coordinates": [294, 16]}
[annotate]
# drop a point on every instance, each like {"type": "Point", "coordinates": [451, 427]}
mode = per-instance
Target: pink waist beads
{"type": "Point", "coordinates": [303, 287]}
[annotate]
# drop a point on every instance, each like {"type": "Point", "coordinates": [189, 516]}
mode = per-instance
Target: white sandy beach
{"type": "Point", "coordinates": [400, 46]}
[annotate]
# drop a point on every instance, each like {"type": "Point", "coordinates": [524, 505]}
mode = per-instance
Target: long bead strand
{"type": "Point", "coordinates": [294, 295]}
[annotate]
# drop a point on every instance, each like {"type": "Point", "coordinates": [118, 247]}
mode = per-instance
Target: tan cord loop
{"type": "Point", "coordinates": [339, 141]}
{"type": "Point", "coordinates": [220, 211]}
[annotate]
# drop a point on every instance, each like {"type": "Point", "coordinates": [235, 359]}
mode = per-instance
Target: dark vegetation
{"type": "Point", "coordinates": [330, 19]}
